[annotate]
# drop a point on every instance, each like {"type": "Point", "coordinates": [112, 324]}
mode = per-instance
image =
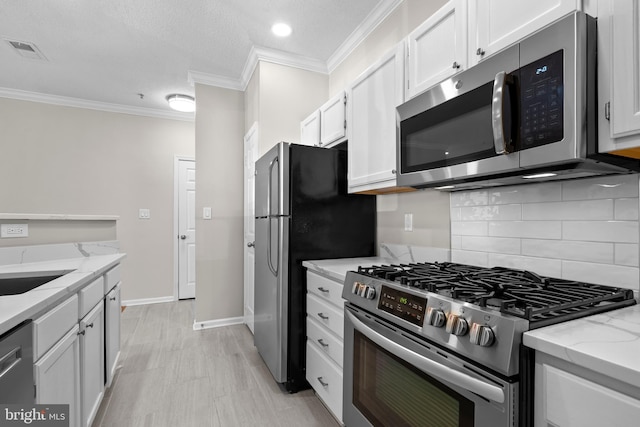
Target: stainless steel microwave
{"type": "Point", "coordinates": [527, 112]}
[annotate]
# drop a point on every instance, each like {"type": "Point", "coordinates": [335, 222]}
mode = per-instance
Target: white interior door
{"type": "Point", "coordinates": [186, 229]}
{"type": "Point", "coordinates": [250, 157]}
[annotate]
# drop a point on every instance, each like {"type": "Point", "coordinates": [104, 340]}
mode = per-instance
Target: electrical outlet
{"type": "Point", "coordinates": [14, 230]}
{"type": "Point", "coordinates": [408, 222]}
{"type": "Point", "coordinates": [144, 214]}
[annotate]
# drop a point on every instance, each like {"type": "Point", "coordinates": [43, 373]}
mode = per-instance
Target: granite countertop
{"type": "Point", "coordinates": [337, 268]}
{"type": "Point", "coordinates": [607, 343]}
{"type": "Point", "coordinates": [15, 309]}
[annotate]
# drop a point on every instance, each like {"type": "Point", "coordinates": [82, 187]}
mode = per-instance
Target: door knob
{"type": "Point", "coordinates": [182, 236]}
{"type": "Point", "coordinates": [251, 244]}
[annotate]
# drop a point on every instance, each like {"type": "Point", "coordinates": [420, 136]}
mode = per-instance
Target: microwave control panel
{"type": "Point", "coordinates": [541, 101]}
{"type": "Point", "coordinates": [404, 305]}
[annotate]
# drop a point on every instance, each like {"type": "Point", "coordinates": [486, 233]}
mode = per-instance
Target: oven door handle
{"type": "Point", "coordinates": [435, 369]}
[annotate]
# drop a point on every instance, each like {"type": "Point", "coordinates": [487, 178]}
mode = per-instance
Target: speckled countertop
{"type": "Point", "coordinates": [337, 268]}
{"type": "Point", "coordinates": [14, 309]}
{"type": "Point", "coordinates": [607, 343]}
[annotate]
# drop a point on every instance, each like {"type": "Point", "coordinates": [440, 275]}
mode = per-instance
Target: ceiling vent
{"type": "Point", "coordinates": [26, 50]}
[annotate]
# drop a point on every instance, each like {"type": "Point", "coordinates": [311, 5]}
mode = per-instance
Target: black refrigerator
{"type": "Point", "coordinates": [303, 212]}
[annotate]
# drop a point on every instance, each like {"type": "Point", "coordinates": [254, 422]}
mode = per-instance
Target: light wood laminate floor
{"type": "Point", "coordinates": [171, 375]}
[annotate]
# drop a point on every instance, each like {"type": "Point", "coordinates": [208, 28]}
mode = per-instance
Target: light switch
{"type": "Point", "coordinates": [144, 214]}
{"type": "Point", "coordinates": [206, 213]}
{"type": "Point", "coordinates": [408, 222]}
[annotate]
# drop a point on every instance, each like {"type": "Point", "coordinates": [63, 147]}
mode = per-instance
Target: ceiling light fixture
{"type": "Point", "coordinates": [281, 29]}
{"type": "Point", "coordinates": [183, 103]}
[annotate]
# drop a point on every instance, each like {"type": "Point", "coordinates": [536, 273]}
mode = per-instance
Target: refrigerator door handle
{"type": "Point", "coordinates": [274, 270]}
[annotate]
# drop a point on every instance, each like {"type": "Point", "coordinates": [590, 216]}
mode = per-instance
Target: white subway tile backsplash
{"type": "Point", "coordinates": [626, 209]}
{"type": "Point", "coordinates": [526, 229]}
{"type": "Point", "coordinates": [480, 259]}
{"type": "Point", "coordinates": [542, 266]}
{"type": "Point", "coordinates": [626, 254]}
{"type": "Point", "coordinates": [503, 245]}
{"type": "Point", "coordinates": [469, 198]}
{"type": "Point", "coordinates": [584, 229]}
{"type": "Point", "coordinates": [601, 231]}
{"type": "Point", "coordinates": [542, 192]}
{"type": "Point", "coordinates": [605, 187]}
{"type": "Point", "coordinates": [601, 274]}
{"type": "Point", "coordinates": [493, 212]}
{"type": "Point", "coordinates": [563, 249]}
{"type": "Point", "coordinates": [577, 210]}
{"type": "Point", "coordinates": [469, 228]}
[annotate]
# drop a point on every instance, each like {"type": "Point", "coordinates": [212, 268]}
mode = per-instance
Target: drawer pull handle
{"type": "Point", "coordinates": [322, 343]}
{"type": "Point", "coordinates": [322, 382]}
{"type": "Point", "coordinates": [90, 325]}
{"type": "Point", "coordinates": [323, 317]}
{"type": "Point", "coordinates": [81, 332]}
{"type": "Point", "coordinates": [321, 289]}
{"type": "Point", "coordinates": [112, 299]}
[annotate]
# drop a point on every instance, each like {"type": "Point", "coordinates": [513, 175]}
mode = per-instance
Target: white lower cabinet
{"type": "Point", "coordinates": [111, 333]}
{"type": "Point", "coordinates": [57, 375]}
{"type": "Point", "coordinates": [569, 396]}
{"type": "Point", "coordinates": [325, 331]}
{"type": "Point", "coordinates": [92, 362]}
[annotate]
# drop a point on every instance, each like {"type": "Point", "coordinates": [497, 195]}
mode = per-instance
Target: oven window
{"type": "Point", "coordinates": [454, 132]}
{"type": "Point", "coordinates": [390, 392]}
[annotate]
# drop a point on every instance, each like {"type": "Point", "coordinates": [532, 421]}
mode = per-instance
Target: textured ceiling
{"type": "Point", "coordinates": [109, 51]}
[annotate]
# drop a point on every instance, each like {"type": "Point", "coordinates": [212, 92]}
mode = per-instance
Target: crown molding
{"type": "Point", "coordinates": [93, 105]}
{"type": "Point", "coordinates": [370, 23]}
{"type": "Point", "coordinates": [214, 80]}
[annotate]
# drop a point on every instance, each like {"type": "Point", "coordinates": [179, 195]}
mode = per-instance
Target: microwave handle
{"type": "Point", "coordinates": [498, 114]}
{"type": "Point", "coordinates": [431, 367]}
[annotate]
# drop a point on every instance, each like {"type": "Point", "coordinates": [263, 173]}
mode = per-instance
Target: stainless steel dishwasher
{"type": "Point", "coordinates": [16, 365]}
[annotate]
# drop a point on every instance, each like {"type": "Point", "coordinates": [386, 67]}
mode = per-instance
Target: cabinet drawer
{"type": "Point", "coordinates": [111, 278]}
{"type": "Point", "coordinates": [326, 379]}
{"type": "Point", "coordinates": [52, 326]}
{"type": "Point", "coordinates": [90, 295]}
{"type": "Point", "coordinates": [325, 314]}
{"type": "Point", "coordinates": [325, 340]}
{"type": "Point", "coordinates": [325, 288]}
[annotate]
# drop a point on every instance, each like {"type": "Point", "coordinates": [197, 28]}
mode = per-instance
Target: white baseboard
{"type": "Point", "coordinates": [143, 301]}
{"type": "Point", "coordinates": [208, 324]}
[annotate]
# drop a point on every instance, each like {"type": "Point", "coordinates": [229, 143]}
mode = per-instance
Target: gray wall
{"type": "Point", "coordinates": [67, 160]}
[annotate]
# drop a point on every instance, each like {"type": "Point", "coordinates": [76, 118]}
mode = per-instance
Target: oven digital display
{"type": "Point", "coordinates": [403, 305]}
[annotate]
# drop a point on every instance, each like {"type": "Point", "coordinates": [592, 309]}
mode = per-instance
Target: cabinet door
{"type": "Point", "coordinates": [92, 362]}
{"type": "Point", "coordinates": [332, 120]}
{"type": "Point", "coordinates": [496, 24]}
{"type": "Point", "coordinates": [112, 333]}
{"type": "Point", "coordinates": [373, 98]}
{"type": "Point", "coordinates": [57, 375]}
{"type": "Point", "coordinates": [625, 67]}
{"type": "Point", "coordinates": [437, 49]}
{"type": "Point", "coordinates": [310, 130]}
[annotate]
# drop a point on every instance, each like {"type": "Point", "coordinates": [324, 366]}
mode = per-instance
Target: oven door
{"type": "Point", "coordinates": [392, 378]}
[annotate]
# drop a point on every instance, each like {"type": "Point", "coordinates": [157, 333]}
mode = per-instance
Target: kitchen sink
{"type": "Point", "coordinates": [19, 284]}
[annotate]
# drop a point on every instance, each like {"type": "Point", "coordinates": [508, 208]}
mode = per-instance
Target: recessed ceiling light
{"type": "Point", "coordinates": [281, 29]}
{"type": "Point", "coordinates": [445, 187]}
{"type": "Point", "coordinates": [183, 103]}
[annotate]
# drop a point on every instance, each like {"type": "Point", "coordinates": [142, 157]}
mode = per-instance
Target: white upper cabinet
{"type": "Point", "coordinates": [619, 77]}
{"type": "Point", "coordinates": [333, 120]}
{"type": "Point", "coordinates": [310, 130]}
{"type": "Point", "coordinates": [437, 49]}
{"type": "Point", "coordinates": [496, 24]}
{"type": "Point", "coordinates": [371, 114]}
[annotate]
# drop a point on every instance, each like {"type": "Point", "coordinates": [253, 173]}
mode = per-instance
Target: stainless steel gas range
{"type": "Point", "coordinates": [439, 344]}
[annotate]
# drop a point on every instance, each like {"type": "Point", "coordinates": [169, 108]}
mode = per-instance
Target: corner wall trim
{"type": "Point", "coordinates": [208, 324]}
{"type": "Point", "coordinates": [144, 301]}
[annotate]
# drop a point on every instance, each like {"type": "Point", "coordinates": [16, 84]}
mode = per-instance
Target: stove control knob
{"type": "Point", "coordinates": [457, 325]}
{"type": "Point", "coordinates": [436, 317]}
{"type": "Point", "coordinates": [482, 335]}
{"type": "Point", "coordinates": [370, 292]}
